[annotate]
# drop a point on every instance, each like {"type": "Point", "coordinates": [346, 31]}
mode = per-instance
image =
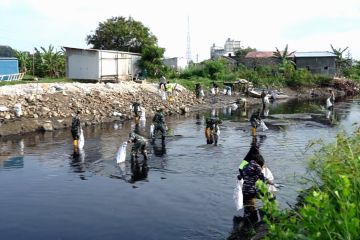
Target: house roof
{"type": "Point", "coordinates": [314, 54]}
{"type": "Point", "coordinates": [260, 54]}
{"type": "Point", "coordinates": [8, 58]}
{"type": "Point", "coordinates": [100, 50]}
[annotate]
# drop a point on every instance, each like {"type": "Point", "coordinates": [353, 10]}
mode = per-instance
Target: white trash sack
{"type": "Point", "coordinates": [17, 108]}
{"type": "Point", "coordinates": [143, 116]}
{"type": "Point", "coordinates": [328, 103]}
{"type": "Point", "coordinates": [266, 99]}
{"type": "Point", "coordinates": [152, 128]}
{"type": "Point", "coordinates": [263, 126]}
{"type": "Point", "coordinates": [238, 195]}
{"type": "Point", "coordinates": [81, 140]}
{"type": "Point", "coordinates": [163, 95]}
{"type": "Point", "coordinates": [121, 153]}
{"type": "Point", "coordinates": [268, 174]}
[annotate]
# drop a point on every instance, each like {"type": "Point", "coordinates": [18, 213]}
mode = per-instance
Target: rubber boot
{"type": "Point", "coordinates": [75, 143]}
{"type": "Point", "coordinates": [253, 131]}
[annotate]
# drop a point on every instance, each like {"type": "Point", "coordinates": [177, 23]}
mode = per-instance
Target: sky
{"type": "Point", "coordinates": [305, 25]}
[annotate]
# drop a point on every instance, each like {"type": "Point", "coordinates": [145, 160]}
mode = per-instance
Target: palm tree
{"type": "Point", "coordinates": [286, 65]}
{"type": "Point", "coordinates": [24, 58]}
{"type": "Point", "coordinates": [284, 56]}
{"type": "Point", "coordinates": [52, 63]}
{"type": "Point", "coordinates": [340, 62]}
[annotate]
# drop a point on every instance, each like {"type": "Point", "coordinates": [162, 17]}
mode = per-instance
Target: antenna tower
{"type": "Point", "coordinates": [188, 49]}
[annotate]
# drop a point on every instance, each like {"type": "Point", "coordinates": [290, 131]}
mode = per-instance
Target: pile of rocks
{"type": "Point", "coordinates": [51, 106]}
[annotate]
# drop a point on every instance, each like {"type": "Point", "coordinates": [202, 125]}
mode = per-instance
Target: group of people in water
{"type": "Point", "coordinates": [250, 167]}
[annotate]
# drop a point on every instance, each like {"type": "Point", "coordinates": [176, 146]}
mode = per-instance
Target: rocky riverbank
{"type": "Point", "coordinates": [47, 107]}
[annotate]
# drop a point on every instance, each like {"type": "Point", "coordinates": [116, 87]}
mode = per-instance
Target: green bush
{"type": "Point", "coordinates": [331, 209]}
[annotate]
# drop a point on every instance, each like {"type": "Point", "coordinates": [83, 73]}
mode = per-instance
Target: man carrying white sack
{"type": "Point", "coordinates": [139, 144]}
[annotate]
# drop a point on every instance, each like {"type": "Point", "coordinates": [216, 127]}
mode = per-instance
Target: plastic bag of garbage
{"type": "Point", "coordinates": [143, 117]}
{"type": "Point", "coordinates": [266, 99]}
{"type": "Point", "coordinates": [202, 94]}
{"type": "Point", "coordinates": [121, 153]}
{"type": "Point", "coordinates": [238, 195]}
{"type": "Point", "coordinates": [81, 139]}
{"type": "Point", "coordinates": [163, 95]}
{"type": "Point", "coordinates": [152, 127]}
{"type": "Point", "coordinates": [268, 175]}
{"type": "Point", "coordinates": [263, 126]}
{"type": "Point", "coordinates": [328, 103]}
{"type": "Point", "coordinates": [17, 108]}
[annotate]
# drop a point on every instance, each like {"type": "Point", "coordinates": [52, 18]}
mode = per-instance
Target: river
{"type": "Point", "coordinates": [184, 192]}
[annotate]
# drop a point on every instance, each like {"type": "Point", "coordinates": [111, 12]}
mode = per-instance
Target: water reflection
{"type": "Point", "coordinates": [138, 171]}
{"type": "Point", "coordinates": [78, 162]}
{"type": "Point", "coordinates": [159, 150]}
{"type": "Point", "coordinates": [13, 163]}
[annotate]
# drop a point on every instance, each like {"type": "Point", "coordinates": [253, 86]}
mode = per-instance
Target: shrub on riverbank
{"type": "Point", "coordinates": [330, 210]}
{"type": "Point", "coordinates": [261, 76]}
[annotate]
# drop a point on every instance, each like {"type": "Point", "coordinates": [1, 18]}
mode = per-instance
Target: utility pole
{"type": "Point", "coordinates": [33, 65]}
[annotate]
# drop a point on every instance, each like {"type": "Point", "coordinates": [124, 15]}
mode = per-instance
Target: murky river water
{"type": "Point", "coordinates": [47, 193]}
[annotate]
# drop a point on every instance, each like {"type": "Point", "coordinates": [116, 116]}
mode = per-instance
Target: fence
{"type": "Point", "coordinates": [12, 77]}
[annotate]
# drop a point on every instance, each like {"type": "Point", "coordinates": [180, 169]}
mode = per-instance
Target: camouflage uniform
{"type": "Point", "coordinates": [136, 109]}
{"type": "Point", "coordinates": [159, 125]}
{"type": "Point", "coordinates": [139, 143]}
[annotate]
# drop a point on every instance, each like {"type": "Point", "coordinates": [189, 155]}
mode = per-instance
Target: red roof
{"type": "Point", "coordinates": [260, 54]}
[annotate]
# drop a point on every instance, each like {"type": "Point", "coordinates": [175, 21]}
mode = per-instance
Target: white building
{"type": "Point", "coordinates": [229, 49]}
{"type": "Point", "coordinates": [100, 65]}
{"type": "Point", "coordinates": [177, 63]}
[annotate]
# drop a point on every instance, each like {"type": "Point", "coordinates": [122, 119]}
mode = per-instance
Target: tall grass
{"type": "Point", "coordinates": [331, 208]}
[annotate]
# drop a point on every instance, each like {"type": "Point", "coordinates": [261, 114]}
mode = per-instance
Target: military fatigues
{"type": "Point", "coordinates": [255, 121]}
{"type": "Point", "coordinates": [139, 144]}
{"type": "Point", "coordinates": [136, 109]}
{"type": "Point", "coordinates": [159, 125]}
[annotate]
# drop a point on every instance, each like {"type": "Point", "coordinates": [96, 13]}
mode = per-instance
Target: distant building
{"type": "Point", "coordinates": [101, 65]}
{"type": "Point", "coordinates": [260, 58]}
{"type": "Point", "coordinates": [9, 65]}
{"type": "Point", "coordinates": [9, 69]}
{"type": "Point", "coordinates": [322, 63]}
{"type": "Point", "coordinates": [176, 63]}
{"type": "Point", "coordinates": [230, 48]}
